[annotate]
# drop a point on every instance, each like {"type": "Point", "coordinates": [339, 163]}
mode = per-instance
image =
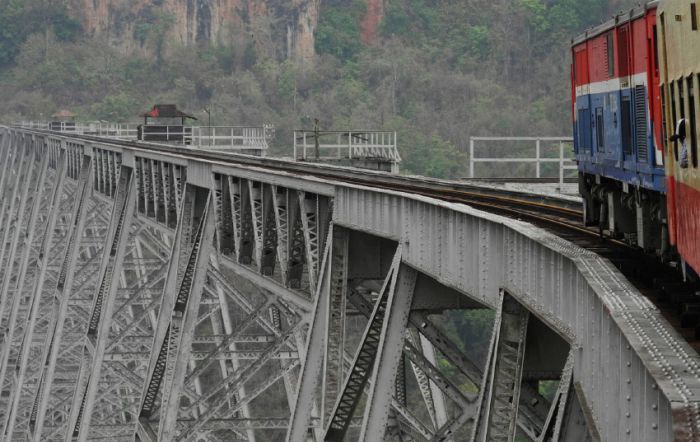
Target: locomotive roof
{"type": "Point", "coordinates": [617, 20]}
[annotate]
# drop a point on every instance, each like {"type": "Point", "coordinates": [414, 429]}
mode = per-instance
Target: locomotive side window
{"type": "Point", "coordinates": [674, 117]}
{"type": "Point", "coordinates": [681, 97]}
{"type": "Point", "coordinates": [654, 52]}
{"type": "Point", "coordinates": [693, 122]}
{"type": "Point", "coordinates": [600, 128]}
{"type": "Point", "coordinates": [623, 45]}
{"type": "Point", "coordinates": [581, 66]}
{"type": "Point", "coordinates": [664, 134]}
{"type": "Point", "coordinates": [584, 128]}
{"type": "Point", "coordinates": [611, 55]}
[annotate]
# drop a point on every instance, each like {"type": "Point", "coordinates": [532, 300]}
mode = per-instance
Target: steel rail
{"type": "Point", "coordinates": [440, 189]}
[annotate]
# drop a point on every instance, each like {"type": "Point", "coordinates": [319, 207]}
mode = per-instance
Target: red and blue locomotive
{"type": "Point", "coordinates": [618, 128]}
{"type": "Point", "coordinates": [636, 102]}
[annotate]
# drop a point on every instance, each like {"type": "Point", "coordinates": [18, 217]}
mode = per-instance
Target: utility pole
{"type": "Point", "coordinates": [316, 142]}
{"type": "Point", "coordinates": [208, 111]}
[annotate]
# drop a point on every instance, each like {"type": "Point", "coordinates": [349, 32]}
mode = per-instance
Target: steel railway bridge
{"type": "Point", "coordinates": [157, 293]}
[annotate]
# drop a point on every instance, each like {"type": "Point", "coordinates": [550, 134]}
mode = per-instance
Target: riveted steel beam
{"type": "Point", "coordinates": [363, 365]}
{"type": "Point", "coordinates": [500, 394]}
{"type": "Point", "coordinates": [104, 304]}
{"type": "Point", "coordinates": [79, 167]}
{"type": "Point", "coordinates": [36, 291]}
{"type": "Point", "coordinates": [178, 314]}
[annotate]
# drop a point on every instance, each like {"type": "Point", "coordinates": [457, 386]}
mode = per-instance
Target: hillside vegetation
{"type": "Point", "coordinates": [436, 71]}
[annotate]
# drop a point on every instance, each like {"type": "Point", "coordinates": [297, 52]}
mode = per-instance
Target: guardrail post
{"type": "Point", "coordinates": [471, 157]}
{"type": "Point", "coordinates": [561, 165]}
{"type": "Point", "coordinates": [537, 155]}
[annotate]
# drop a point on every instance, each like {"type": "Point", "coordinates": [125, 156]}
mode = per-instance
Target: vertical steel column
{"type": "Point", "coordinates": [256, 195]}
{"type": "Point", "coordinates": [37, 189]}
{"type": "Point", "coordinates": [42, 264]}
{"type": "Point", "coordinates": [555, 418]}
{"type": "Point", "coordinates": [279, 206]}
{"type": "Point", "coordinates": [500, 394]}
{"type": "Point", "coordinates": [62, 292]}
{"type": "Point", "coordinates": [14, 220]}
{"type": "Point", "coordinates": [229, 329]}
{"type": "Point", "coordinates": [388, 355]}
{"type": "Point", "coordinates": [7, 153]}
{"type": "Point", "coordinates": [103, 305]}
{"type": "Point", "coordinates": [436, 393]}
{"type": "Point", "coordinates": [335, 323]}
{"type": "Point", "coordinates": [363, 365]}
{"type": "Point", "coordinates": [313, 360]}
{"type": "Point", "coordinates": [178, 315]}
{"type": "Point", "coordinates": [310, 222]}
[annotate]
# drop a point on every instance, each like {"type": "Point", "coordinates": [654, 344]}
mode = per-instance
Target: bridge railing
{"type": "Point", "coordinates": [97, 128]}
{"type": "Point", "coordinates": [240, 139]}
{"type": "Point", "coordinates": [337, 145]}
{"type": "Point", "coordinates": [225, 138]}
{"type": "Point", "coordinates": [231, 137]}
{"type": "Point", "coordinates": [564, 158]}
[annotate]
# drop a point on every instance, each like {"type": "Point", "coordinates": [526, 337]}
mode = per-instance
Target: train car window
{"type": "Point", "coordinates": [693, 122]}
{"type": "Point", "coordinates": [581, 66]}
{"type": "Point", "coordinates": [626, 111]}
{"type": "Point", "coordinates": [623, 44]}
{"type": "Point", "coordinates": [600, 128]}
{"type": "Point", "coordinates": [655, 52]}
{"type": "Point", "coordinates": [611, 55]}
{"type": "Point", "coordinates": [664, 134]}
{"type": "Point", "coordinates": [681, 97]}
{"type": "Point", "coordinates": [674, 117]}
{"type": "Point", "coordinates": [693, 17]}
{"type": "Point", "coordinates": [584, 129]}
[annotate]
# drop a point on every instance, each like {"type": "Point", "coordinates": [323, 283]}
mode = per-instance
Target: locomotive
{"type": "Point", "coordinates": [635, 91]}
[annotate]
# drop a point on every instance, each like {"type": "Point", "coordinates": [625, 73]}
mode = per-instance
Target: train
{"type": "Point", "coordinates": [635, 103]}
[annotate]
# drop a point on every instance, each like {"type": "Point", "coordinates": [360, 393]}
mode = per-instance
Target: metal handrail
{"type": "Point", "coordinates": [566, 162]}
{"type": "Point", "coordinates": [346, 145]}
{"type": "Point", "coordinates": [236, 138]}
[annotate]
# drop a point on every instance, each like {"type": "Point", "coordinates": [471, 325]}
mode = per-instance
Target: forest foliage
{"type": "Point", "coordinates": [440, 72]}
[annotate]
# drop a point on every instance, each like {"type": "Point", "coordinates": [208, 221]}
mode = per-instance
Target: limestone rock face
{"type": "Point", "coordinates": [283, 27]}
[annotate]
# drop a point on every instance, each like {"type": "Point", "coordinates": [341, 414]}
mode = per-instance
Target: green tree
{"type": "Point", "coordinates": [286, 81]}
{"type": "Point", "coordinates": [427, 153]}
{"type": "Point", "coordinates": [338, 31]}
{"type": "Point", "coordinates": [13, 31]}
{"type": "Point", "coordinates": [119, 107]}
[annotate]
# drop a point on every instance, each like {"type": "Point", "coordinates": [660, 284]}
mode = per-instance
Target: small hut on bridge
{"type": "Point", "coordinates": [63, 121]}
{"type": "Point", "coordinates": [165, 123]}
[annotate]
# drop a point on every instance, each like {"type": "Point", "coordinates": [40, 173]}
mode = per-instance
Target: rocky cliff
{"type": "Point", "coordinates": [284, 27]}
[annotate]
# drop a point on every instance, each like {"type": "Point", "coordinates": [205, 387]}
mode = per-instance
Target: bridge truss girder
{"type": "Point", "coordinates": [163, 298]}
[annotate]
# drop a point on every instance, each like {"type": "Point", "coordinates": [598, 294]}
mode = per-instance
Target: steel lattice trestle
{"type": "Point", "coordinates": [151, 294]}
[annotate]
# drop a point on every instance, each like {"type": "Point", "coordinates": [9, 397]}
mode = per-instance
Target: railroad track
{"type": "Point", "coordinates": [567, 180]}
{"type": "Point", "coordinates": [656, 280]}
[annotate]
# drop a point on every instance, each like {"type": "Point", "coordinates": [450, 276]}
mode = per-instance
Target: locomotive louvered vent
{"type": "Point", "coordinates": [640, 121]}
